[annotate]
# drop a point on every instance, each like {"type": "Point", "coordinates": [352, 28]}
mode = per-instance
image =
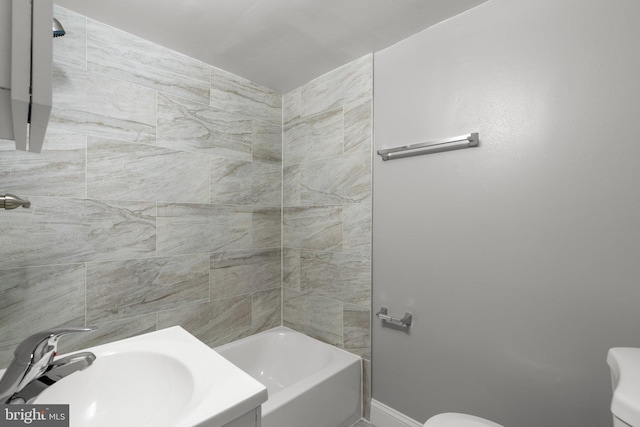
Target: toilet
{"type": "Point", "coordinates": [624, 363]}
{"type": "Point", "coordinates": [451, 419]}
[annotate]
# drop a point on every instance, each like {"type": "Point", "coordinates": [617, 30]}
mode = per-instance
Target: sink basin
{"type": "Point", "coordinates": [164, 378]}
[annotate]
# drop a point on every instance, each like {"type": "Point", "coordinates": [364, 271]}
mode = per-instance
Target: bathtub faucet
{"type": "Point", "coordinates": [33, 368]}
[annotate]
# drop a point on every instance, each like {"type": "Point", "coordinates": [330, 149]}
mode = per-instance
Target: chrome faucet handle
{"type": "Point", "coordinates": [32, 358]}
{"type": "Point", "coordinates": [36, 346]}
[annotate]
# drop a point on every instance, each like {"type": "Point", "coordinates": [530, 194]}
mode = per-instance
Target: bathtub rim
{"type": "Point", "coordinates": [346, 360]}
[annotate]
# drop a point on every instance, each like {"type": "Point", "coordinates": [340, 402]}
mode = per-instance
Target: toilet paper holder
{"type": "Point", "coordinates": [405, 322]}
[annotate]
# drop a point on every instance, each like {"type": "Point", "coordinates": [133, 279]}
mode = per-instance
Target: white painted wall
{"type": "Point", "coordinates": [520, 259]}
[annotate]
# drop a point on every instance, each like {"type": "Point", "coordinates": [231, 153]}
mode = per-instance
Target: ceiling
{"type": "Point", "coordinates": [280, 44]}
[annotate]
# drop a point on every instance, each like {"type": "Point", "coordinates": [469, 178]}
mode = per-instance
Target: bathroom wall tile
{"type": "Point", "coordinates": [101, 106]}
{"type": "Point", "coordinates": [356, 227]}
{"type": "Point", "coordinates": [313, 138]}
{"type": "Point", "coordinates": [128, 171]}
{"type": "Point", "coordinates": [316, 316]}
{"type": "Point", "coordinates": [120, 289]}
{"type": "Point", "coordinates": [366, 389]}
{"type": "Point", "coordinates": [343, 85]}
{"type": "Point", "coordinates": [37, 298]}
{"type": "Point", "coordinates": [357, 330]}
{"type": "Point", "coordinates": [358, 127]}
{"type": "Point", "coordinates": [266, 184]}
{"type": "Point", "coordinates": [343, 179]}
{"type": "Point", "coordinates": [266, 310]}
{"type": "Point", "coordinates": [267, 143]}
{"type": "Point", "coordinates": [238, 95]}
{"type": "Point", "coordinates": [291, 268]}
{"type": "Point", "coordinates": [291, 185]}
{"type": "Point", "coordinates": [242, 272]}
{"type": "Point", "coordinates": [59, 170]}
{"type": "Point", "coordinates": [313, 228]}
{"type": "Point", "coordinates": [342, 276]}
{"type": "Point", "coordinates": [292, 106]}
{"type": "Point", "coordinates": [121, 55]}
{"type": "Point", "coordinates": [6, 352]}
{"type": "Point", "coordinates": [108, 332]}
{"type": "Point", "coordinates": [61, 230]}
{"type": "Point", "coordinates": [71, 50]}
{"type": "Point", "coordinates": [192, 228]}
{"type": "Point", "coordinates": [214, 323]}
{"type": "Point", "coordinates": [191, 126]}
{"type": "Point", "coordinates": [231, 181]}
{"type": "Point", "coordinates": [243, 183]}
{"type": "Point", "coordinates": [267, 227]}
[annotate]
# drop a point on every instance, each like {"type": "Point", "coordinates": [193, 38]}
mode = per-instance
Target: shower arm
{"type": "Point", "coordinates": [9, 201]}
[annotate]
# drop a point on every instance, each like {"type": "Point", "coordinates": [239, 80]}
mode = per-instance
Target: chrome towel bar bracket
{"type": "Point", "coordinates": [405, 322]}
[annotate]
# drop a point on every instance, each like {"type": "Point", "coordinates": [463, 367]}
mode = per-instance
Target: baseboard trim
{"type": "Point", "coordinates": [385, 416]}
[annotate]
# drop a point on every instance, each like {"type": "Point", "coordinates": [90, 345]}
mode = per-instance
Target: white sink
{"type": "Point", "coordinates": [164, 378]}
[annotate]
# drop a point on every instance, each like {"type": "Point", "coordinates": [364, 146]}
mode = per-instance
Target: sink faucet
{"type": "Point", "coordinates": [33, 367]}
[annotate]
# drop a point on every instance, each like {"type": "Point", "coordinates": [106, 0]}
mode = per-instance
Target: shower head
{"type": "Point", "coordinates": [58, 31]}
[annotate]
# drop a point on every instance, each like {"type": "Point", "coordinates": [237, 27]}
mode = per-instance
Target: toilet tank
{"type": "Point", "coordinates": [624, 363]}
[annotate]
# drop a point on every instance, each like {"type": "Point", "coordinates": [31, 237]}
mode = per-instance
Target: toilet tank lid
{"type": "Point", "coordinates": [625, 373]}
{"type": "Point", "coordinates": [452, 419]}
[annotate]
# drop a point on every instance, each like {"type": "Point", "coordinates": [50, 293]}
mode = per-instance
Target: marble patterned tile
{"type": "Point", "coordinates": [59, 170]}
{"type": "Point", "coordinates": [316, 316]}
{"type": "Point", "coordinates": [86, 102]}
{"type": "Point", "coordinates": [238, 95]}
{"type": "Point", "coordinates": [121, 289]}
{"type": "Point", "coordinates": [241, 272]}
{"type": "Point", "coordinates": [64, 230]}
{"type": "Point", "coordinates": [344, 85]}
{"type": "Point", "coordinates": [71, 49]}
{"type": "Point", "coordinates": [108, 332]}
{"type": "Point", "coordinates": [267, 143]}
{"type": "Point", "coordinates": [313, 138]}
{"type": "Point", "coordinates": [191, 126]}
{"type": "Point", "coordinates": [292, 106]}
{"type": "Point", "coordinates": [231, 181]}
{"type": "Point", "coordinates": [244, 183]}
{"type": "Point", "coordinates": [291, 179]}
{"type": "Point", "coordinates": [341, 276]}
{"type": "Point", "coordinates": [266, 310]}
{"type": "Point", "coordinates": [318, 227]}
{"type": "Point", "coordinates": [192, 228]}
{"type": "Point", "coordinates": [366, 389]}
{"type": "Point", "coordinates": [343, 179]}
{"type": "Point", "coordinates": [356, 227]}
{"type": "Point", "coordinates": [214, 323]}
{"type": "Point", "coordinates": [129, 171]}
{"type": "Point", "coordinates": [357, 330]}
{"type": "Point", "coordinates": [266, 227]}
{"type": "Point", "coordinates": [358, 127]}
{"type": "Point", "coordinates": [266, 184]}
{"type": "Point", "coordinates": [115, 53]}
{"type": "Point", "coordinates": [291, 268]}
{"type": "Point", "coordinates": [6, 352]}
{"type": "Point", "coordinates": [37, 298]}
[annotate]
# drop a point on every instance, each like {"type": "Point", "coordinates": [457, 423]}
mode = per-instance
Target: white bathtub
{"type": "Point", "coordinates": [310, 383]}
